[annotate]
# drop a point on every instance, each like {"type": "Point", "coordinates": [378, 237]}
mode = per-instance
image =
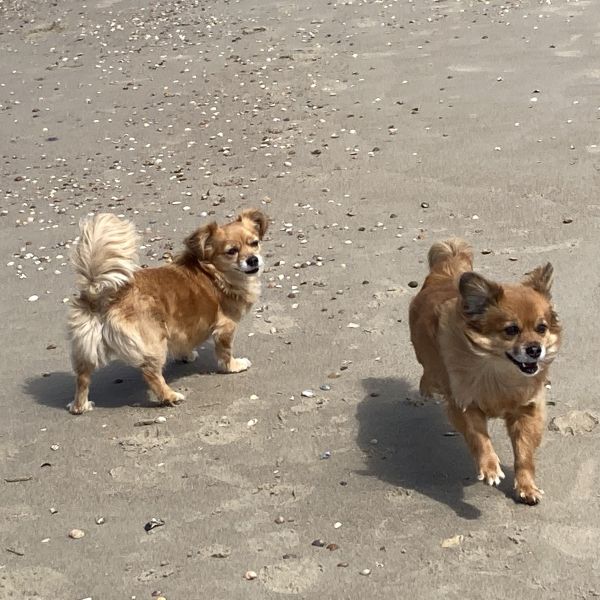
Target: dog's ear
{"type": "Point", "coordinates": [478, 294]}
{"type": "Point", "coordinates": [199, 242]}
{"type": "Point", "coordinates": [257, 219]}
{"type": "Point", "coordinates": [540, 279]}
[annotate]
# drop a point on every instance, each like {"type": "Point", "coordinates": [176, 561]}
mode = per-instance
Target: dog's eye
{"type": "Point", "coordinates": [512, 330]}
{"type": "Point", "coordinates": [254, 244]}
{"type": "Point", "coordinates": [232, 251]}
{"type": "Point", "coordinates": [542, 328]}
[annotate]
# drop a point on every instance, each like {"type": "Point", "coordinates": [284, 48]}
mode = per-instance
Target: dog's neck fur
{"type": "Point", "coordinates": [246, 290]}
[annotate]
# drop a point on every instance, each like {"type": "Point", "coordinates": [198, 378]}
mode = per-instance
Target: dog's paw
{"type": "Point", "coordinates": [189, 358]}
{"type": "Point", "coordinates": [78, 410]}
{"type": "Point", "coordinates": [490, 471]}
{"type": "Point", "coordinates": [238, 365]}
{"type": "Point", "coordinates": [426, 389]}
{"type": "Point", "coordinates": [174, 399]}
{"type": "Point", "coordinates": [528, 493]}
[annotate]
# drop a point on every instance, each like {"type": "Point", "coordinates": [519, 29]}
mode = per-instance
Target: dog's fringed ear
{"type": "Point", "coordinates": [477, 294]}
{"type": "Point", "coordinates": [540, 279]}
{"type": "Point", "coordinates": [258, 219]}
{"type": "Point", "coordinates": [199, 242]}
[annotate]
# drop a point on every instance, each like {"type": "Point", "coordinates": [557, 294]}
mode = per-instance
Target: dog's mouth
{"type": "Point", "coordinates": [529, 368]}
{"type": "Point", "coordinates": [252, 271]}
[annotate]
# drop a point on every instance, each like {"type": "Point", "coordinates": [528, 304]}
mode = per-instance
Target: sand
{"type": "Point", "coordinates": [366, 130]}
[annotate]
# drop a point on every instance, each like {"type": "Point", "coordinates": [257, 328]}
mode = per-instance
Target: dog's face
{"type": "Point", "coordinates": [514, 323]}
{"type": "Point", "coordinates": [234, 249]}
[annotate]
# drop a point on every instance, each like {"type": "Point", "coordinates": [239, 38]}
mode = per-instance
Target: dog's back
{"type": "Point", "coordinates": [448, 260]}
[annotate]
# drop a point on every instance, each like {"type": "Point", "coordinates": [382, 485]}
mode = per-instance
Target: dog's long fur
{"type": "Point", "coordinates": [142, 315]}
{"type": "Point", "coordinates": [477, 341]}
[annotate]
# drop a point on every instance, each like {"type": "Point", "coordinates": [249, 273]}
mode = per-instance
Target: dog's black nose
{"type": "Point", "coordinates": [533, 350]}
{"type": "Point", "coordinates": [252, 261]}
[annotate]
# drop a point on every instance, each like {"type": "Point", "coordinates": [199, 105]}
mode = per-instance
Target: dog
{"type": "Point", "coordinates": [141, 316]}
{"type": "Point", "coordinates": [486, 348]}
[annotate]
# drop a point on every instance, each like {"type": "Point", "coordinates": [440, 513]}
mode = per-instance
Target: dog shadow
{"type": "Point", "coordinates": [116, 384]}
{"type": "Point", "coordinates": [410, 444]}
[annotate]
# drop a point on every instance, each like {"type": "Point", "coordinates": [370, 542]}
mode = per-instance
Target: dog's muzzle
{"type": "Point", "coordinates": [251, 265]}
{"type": "Point", "coordinates": [528, 359]}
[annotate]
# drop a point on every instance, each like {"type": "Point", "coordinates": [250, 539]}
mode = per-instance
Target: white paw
{"type": "Point", "coordinates": [492, 478]}
{"type": "Point", "coordinates": [89, 405]}
{"type": "Point", "coordinates": [173, 400]}
{"type": "Point", "coordinates": [533, 495]}
{"type": "Point", "coordinates": [239, 364]}
{"type": "Point", "coordinates": [191, 357]}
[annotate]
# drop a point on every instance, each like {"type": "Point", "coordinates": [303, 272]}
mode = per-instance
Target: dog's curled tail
{"type": "Point", "coordinates": [450, 257]}
{"type": "Point", "coordinates": [106, 254]}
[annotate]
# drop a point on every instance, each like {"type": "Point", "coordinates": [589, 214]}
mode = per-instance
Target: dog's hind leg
{"type": "Point", "coordinates": [156, 382]}
{"type": "Point", "coordinates": [152, 370]}
{"type": "Point", "coordinates": [81, 403]}
{"type": "Point", "coordinates": [426, 386]}
{"type": "Point", "coordinates": [189, 357]}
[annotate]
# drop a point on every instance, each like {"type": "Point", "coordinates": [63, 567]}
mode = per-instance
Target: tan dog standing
{"type": "Point", "coordinates": [486, 348]}
{"type": "Point", "coordinates": [140, 316]}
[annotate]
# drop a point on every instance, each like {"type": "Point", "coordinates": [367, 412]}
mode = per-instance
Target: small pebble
{"type": "Point", "coordinates": [318, 543]}
{"type": "Point", "coordinates": [342, 564]}
{"type": "Point", "coordinates": [308, 393]}
{"type": "Point", "coordinates": [413, 284]}
{"type": "Point", "coordinates": [76, 534]}
{"type": "Point", "coordinates": [100, 521]}
{"type": "Point", "coordinates": [33, 298]}
{"type": "Point", "coordinates": [279, 520]}
{"type": "Point", "coordinates": [365, 572]}
{"type": "Point", "coordinates": [332, 547]}
{"type": "Point", "coordinates": [424, 205]}
{"type": "Point", "coordinates": [337, 525]}
{"type": "Point", "coordinates": [325, 387]}
{"type": "Point", "coordinates": [250, 575]}
{"type": "Point", "coordinates": [567, 220]}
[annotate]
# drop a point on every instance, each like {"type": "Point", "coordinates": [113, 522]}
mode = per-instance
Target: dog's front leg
{"type": "Point", "coordinates": [525, 431]}
{"type": "Point", "coordinates": [223, 336]}
{"type": "Point", "coordinates": [472, 423]}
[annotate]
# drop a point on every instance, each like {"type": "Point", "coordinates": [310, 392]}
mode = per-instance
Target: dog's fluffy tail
{"type": "Point", "coordinates": [106, 256]}
{"type": "Point", "coordinates": [450, 257]}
